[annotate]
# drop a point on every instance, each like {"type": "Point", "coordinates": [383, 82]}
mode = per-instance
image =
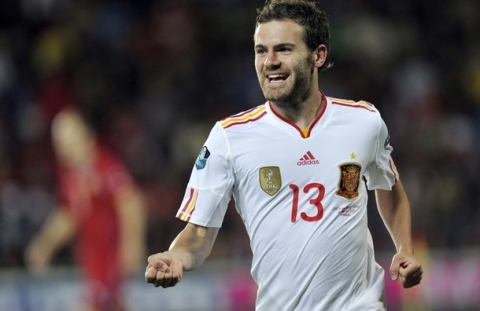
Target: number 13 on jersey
{"type": "Point", "coordinates": [315, 201]}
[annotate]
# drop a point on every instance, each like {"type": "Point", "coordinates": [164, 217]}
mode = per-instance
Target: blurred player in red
{"type": "Point", "coordinates": [100, 206]}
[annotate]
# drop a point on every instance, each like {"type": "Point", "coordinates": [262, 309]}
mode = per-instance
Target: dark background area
{"type": "Point", "coordinates": [156, 75]}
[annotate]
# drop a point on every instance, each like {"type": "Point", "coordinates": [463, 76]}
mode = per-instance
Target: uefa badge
{"type": "Point", "coordinates": [202, 158]}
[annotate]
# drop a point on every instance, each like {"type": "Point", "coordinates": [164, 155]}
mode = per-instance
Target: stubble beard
{"type": "Point", "coordinates": [294, 94]}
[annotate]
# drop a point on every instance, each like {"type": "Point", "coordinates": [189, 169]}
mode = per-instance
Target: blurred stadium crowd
{"type": "Point", "coordinates": [156, 75]}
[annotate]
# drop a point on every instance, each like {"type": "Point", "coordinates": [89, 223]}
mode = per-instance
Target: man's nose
{"type": "Point", "coordinates": [271, 60]}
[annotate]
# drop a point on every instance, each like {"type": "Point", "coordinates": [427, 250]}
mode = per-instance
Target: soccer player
{"type": "Point", "coordinates": [100, 205]}
{"type": "Point", "coordinates": [295, 168]}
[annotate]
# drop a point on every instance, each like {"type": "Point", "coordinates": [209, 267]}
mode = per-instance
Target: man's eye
{"type": "Point", "coordinates": [260, 52]}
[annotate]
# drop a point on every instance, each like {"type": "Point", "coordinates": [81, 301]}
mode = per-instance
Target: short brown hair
{"type": "Point", "coordinates": [306, 14]}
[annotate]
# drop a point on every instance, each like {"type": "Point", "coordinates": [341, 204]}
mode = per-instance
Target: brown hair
{"type": "Point", "coordinates": [306, 14]}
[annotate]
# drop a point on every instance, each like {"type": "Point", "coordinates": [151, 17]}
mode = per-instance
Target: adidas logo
{"type": "Point", "coordinates": [307, 159]}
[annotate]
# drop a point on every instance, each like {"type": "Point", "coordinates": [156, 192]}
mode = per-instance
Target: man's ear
{"type": "Point", "coordinates": [320, 56]}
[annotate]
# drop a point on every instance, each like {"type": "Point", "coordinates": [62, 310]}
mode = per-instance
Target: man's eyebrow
{"type": "Point", "coordinates": [284, 45]}
{"type": "Point", "coordinates": [280, 45]}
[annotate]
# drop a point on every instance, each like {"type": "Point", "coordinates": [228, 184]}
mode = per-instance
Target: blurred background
{"type": "Point", "coordinates": [156, 75]}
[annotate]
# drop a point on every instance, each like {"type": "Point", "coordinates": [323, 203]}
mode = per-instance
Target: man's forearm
{"type": "Point", "coordinates": [57, 231]}
{"type": "Point", "coordinates": [394, 209]}
{"type": "Point", "coordinates": [193, 245]}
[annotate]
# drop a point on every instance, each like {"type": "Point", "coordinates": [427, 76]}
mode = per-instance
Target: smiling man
{"type": "Point", "coordinates": [295, 167]}
{"type": "Point", "coordinates": [285, 65]}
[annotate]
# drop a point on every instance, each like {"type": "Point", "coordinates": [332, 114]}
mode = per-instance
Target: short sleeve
{"type": "Point", "coordinates": [209, 189]}
{"type": "Point", "coordinates": [381, 173]}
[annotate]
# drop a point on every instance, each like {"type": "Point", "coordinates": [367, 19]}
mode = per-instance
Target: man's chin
{"type": "Point", "coordinates": [274, 96]}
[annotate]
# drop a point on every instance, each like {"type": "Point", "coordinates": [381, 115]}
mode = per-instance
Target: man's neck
{"type": "Point", "coordinates": [304, 113]}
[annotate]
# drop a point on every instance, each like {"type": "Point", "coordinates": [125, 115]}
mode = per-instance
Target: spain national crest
{"type": "Point", "coordinates": [270, 179]}
{"type": "Point", "coordinates": [349, 180]}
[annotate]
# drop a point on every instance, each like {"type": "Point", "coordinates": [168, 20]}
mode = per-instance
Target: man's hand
{"type": "Point", "coordinates": [407, 268]}
{"type": "Point", "coordinates": [37, 259]}
{"type": "Point", "coordinates": [163, 270]}
{"type": "Point", "coordinates": [187, 252]}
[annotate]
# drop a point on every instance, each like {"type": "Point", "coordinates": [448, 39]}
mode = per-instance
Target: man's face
{"type": "Point", "coordinates": [283, 62]}
{"type": "Point", "coordinates": [71, 139]}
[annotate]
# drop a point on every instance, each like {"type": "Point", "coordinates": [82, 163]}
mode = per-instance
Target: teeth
{"type": "Point", "coordinates": [275, 76]}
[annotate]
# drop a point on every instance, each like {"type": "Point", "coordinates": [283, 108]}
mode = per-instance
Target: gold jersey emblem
{"type": "Point", "coordinates": [349, 180]}
{"type": "Point", "coordinates": [270, 179]}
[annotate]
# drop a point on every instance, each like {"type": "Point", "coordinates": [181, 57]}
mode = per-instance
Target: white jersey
{"type": "Point", "coordinates": [302, 200]}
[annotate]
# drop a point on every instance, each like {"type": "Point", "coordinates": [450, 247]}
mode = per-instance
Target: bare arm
{"type": "Point", "coordinates": [57, 230]}
{"type": "Point", "coordinates": [394, 208]}
{"type": "Point", "coordinates": [187, 252]}
{"type": "Point", "coordinates": [193, 245]}
{"type": "Point", "coordinates": [132, 217]}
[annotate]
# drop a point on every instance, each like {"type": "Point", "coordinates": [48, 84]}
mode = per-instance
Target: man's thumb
{"type": "Point", "coordinates": [394, 275]}
{"type": "Point", "coordinates": [395, 268]}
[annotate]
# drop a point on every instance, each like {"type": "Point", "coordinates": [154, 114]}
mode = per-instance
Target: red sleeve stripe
{"type": "Point", "coordinates": [245, 117]}
{"type": "Point", "coordinates": [187, 210]}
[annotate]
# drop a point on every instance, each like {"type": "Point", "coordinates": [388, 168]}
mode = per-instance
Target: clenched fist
{"type": "Point", "coordinates": [163, 270]}
{"type": "Point", "coordinates": [406, 268]}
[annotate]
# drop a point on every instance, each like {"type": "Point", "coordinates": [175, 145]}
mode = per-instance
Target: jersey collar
{"type": "Point", "coordinates": [304, 133]}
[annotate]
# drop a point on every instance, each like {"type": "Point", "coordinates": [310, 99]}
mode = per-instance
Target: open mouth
{"type": "Point", "coordinates": [277, 78]}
